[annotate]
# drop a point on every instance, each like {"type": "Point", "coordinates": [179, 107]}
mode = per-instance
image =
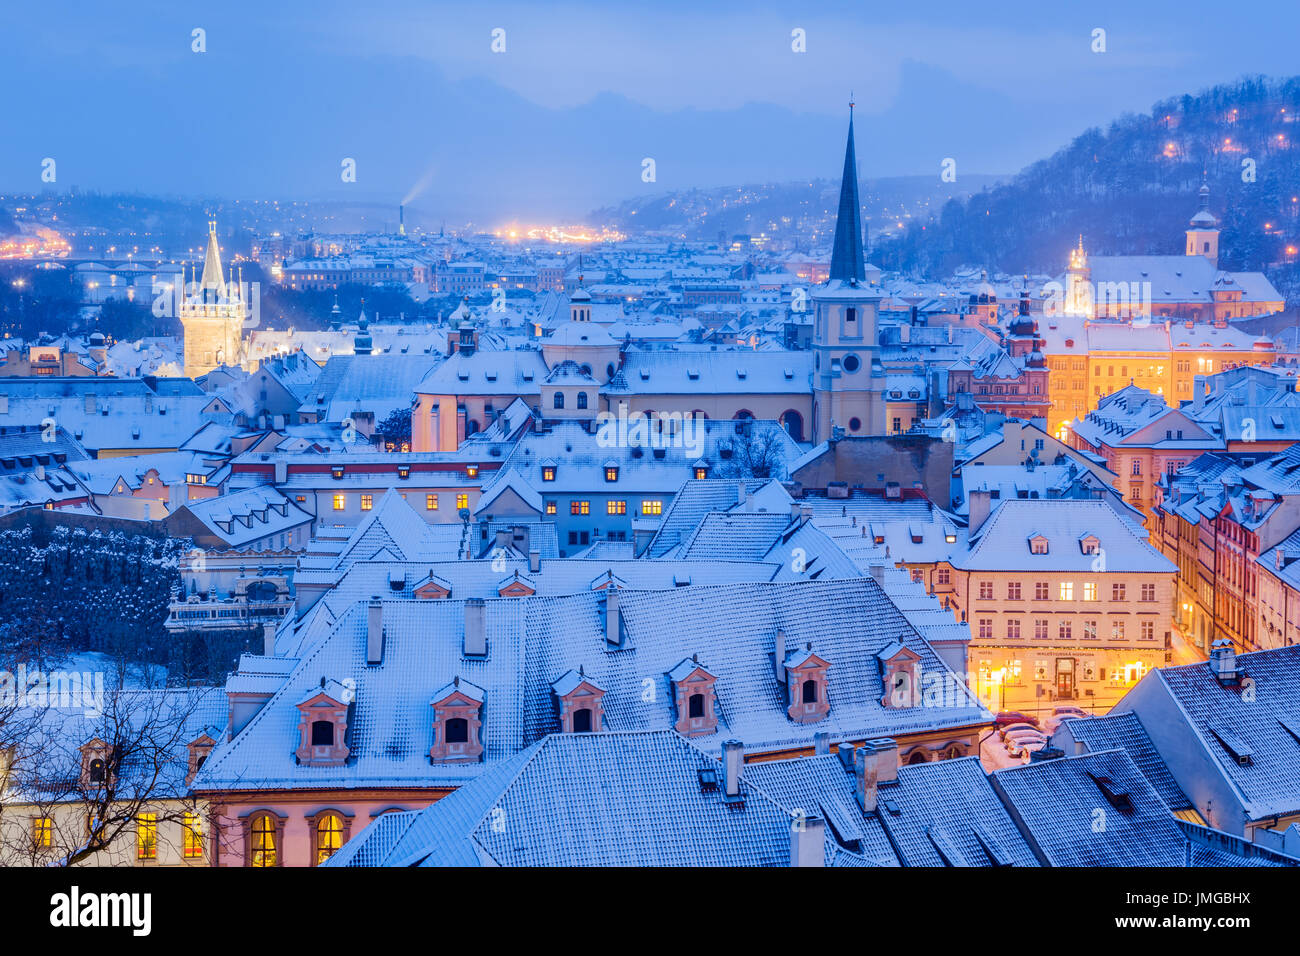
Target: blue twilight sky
{"type": "Point", "coordinates": [560, 122]}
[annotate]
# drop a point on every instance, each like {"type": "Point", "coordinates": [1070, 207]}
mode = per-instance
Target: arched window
{"type": "Point", "coordinates": [97, 771]}
{"type": "Point", "coordinates": [696, 705]}
{"type": "Point", "coordinates": [918, 756]}
{"type": "Point", "coordinates": [329, 836]}
{"type": "Point", "coordinates": [582, 399]}
{"type": "Point", "coordinates": [457, 731]}
{"type": "Point", "coordinates": [743, 415]}
{"type": "Point", "coordinates": [263, 843]}
{"type": "Point", "coordinates": [559, 399]}
{"type": "Point", "coordinates": [322, 733]}
{"type": "Point", "coordinates": [793, 423]}
{"type": "Point", "coordinates": [582, 721]}
{"type": "Point", "coordinates": [810, 691]}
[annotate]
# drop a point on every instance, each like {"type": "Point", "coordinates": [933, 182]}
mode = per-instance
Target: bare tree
{"type": "Point", "coordinates": [103, 775]}
{"type": "Point", "coordinates": [755, 453]}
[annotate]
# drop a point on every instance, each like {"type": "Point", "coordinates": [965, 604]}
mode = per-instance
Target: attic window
{"type": "Point", "coordinates": [741, 373]}
{"type": "Point", "coordinates": [403, 471]}
{"type": "Point", "coordinates": [491, 376]}
{"type": "Point", "coordinates": [1114, 793]}
{"type": "Point", "coordinates": [611, 473]}
{"type": "Point", "coordinates": [336, 471]}
{"type": "Point", "coordinates": [548, 473]}
{"type": "Point", "coordinates": [463, 375]}
{"type": "Point", "coordinates": [645, 375]}
{"type": "Point", "coordinates": [1237, 748]}
{"type": "Point", "coordinates": [1038, 544]}
{"type": "Point", "coordinates": [1089, 544]}
{"type": "Point", "coordinates": [708, 780]}
{"type": "Point", "coordinates": [693, 374]}
{"type": "Point", "coordinates": [471, 471]}
{"type": "Point", "coordinates": [789, 374]}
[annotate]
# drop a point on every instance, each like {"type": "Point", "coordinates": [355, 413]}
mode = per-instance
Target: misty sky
{"type": "Point", "coordinates": [559, 123]}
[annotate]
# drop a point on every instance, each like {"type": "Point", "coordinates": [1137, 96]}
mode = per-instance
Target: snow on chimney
{"type": "Point", "coordinates": [534, 561]}
{"type": "Point", "coordinates": [613, 617]}
{"type": "Point", "coordinates": [1223, 661]}
{"type": "Point", "coordinates": [733, 764]}
{"type": "Point", "coordinates": [268, 639]}
{"type": "Point", "coordinates": [778, 662]}
{"type": "Point", "coordinates": [808, 841]}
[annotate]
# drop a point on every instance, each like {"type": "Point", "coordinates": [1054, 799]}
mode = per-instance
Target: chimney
{"type": "Point", "coordinates": [794, 510]}
{"type": "Point", "coordinates": [877, 571]}
{"type": "Point", "coordinates": [808, 841]}
{"type": "Point", "coordinates": [1223, 661]}
{"type": "Point", "coordinates": [978, 505]}
{"type": "Point", "coordinates": [886, 760]}
{"type": "Point", "coordinates": [503, 539]}
{"type": "Point", "coordinates": [613, 617]}
{"type": "Point", "coordinates": [475, 628]}
{"type": "Point", "coordinates": [778, 661]}
{"type": "Point", "coordinates": [375, 632]}
{"type": "Point", "coordinates": [268, 639]}
{"type": "Point", "coordinates": [847, 754]}
{"type": "Point", "coordinates": [534, 561]}
{"type": "Point", "coordinates": [742, 493]}
{"type": "Point", "coordinates": [865, 771]}
{"type": "Point", "coordinates": [821, 743]}
{"type": "Point", "coordinates": [733, 764]}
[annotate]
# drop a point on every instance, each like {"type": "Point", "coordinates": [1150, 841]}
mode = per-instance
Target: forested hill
{"type": "Point", "coordinates": [1131, 188]}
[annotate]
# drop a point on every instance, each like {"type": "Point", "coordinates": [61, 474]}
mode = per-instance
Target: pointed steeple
{"type": "Point", "coordinates": [212, 264]}
{"type": "Point", "coordinates": [846, 255]}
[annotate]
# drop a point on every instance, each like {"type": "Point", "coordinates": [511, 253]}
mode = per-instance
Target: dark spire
{"type": "Point", "coordinates": [846, 255]}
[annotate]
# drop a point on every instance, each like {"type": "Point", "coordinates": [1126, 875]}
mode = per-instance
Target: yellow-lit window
{"type": "Point", "coordinates": [146, 836]}
{"type": "Point", "coordinates": [550, 507]}
{"type": "Point", "coordinates": [1067, 590]}
{"type": "Point", "coordinates": [616, 507]}
{"type": "Point", "coordinates": [430, 502]}
{"type": "Point", "coordinates": [462, 501]}
{"type": "Point", "coordinates": [340, 502]}
{"type": "Point", "coordinates": [191, 836]}
{"type": "Point", "coordinates": [367, 502]}
{"type": "Point", "coordinates": [579, 507]}
{"type": "Point", "coordinates": [263, 841]}
{"type": "Point", "coordinates": [652, 507]}
{"type": "Point", "coordinates": [329, 836]}
{"type": "Point", "coordinates": [548, 473]}
{"type": "Point", "coordinates": [611, 474]}
{"type": "Point", "coordinates": [471, 470]}
{"type": "Point", "coordinates": [700, 473]}
{"type": "Point", "coordinates": [1090, 591]}
{"type": "Point", "coordinates": [42, 832]}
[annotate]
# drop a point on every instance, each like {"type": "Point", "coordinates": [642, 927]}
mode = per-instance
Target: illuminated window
{"type": "Point", "coordinates": [367, 502]}
{"type": "Point", "coordinates": [146, 836]}
{"type": "Point", "coordinates": [652, 507]}
{"type": "Point", "coordinates": [548, 473]}
{"type": "Point", "coordinates": [191, 836]}
{"type": "Point", "coordinates": [1065, 631]}
{"type": "Point", "coordinates": [550, 507]}
{"type": "Point", "coordinates": [611, 474]}
{"type": "Point", "coordinates": [1090, 590]}
{"type": "Point", "coordinates": [1089, 630]}
{"type": "Point", "coordinates": [263, 841]}
{"type": "Point", "coordinates": [430, 502]}
{"type": "Point", "coordinates": [329, 836]}
{"type": "Point", "coordinates": [1067, 590]}
{"type": "Point", "coordinates": [462, 501]}
{"type": "Point", "coordinates": [616, 507]}
{"type": "Point", "coordinates": [579, 507]}
{"type": "Point", "coordinates": [1117, 630]}
{"type": "Point", "coordinates": [700, 473]}
{"type": "Point", "coordinates": [340, 502]}
{"type": "Point", "coordinates": [471, 470]}
{"type": "Point", "coordinates": [42, 832]}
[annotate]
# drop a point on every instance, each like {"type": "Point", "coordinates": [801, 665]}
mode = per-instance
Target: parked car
{"type": "Point", "coordinates": [1014, 717]}
{"type": "Point", "coordinates": [1023, 741]}
{"type": "Point", "coordinates": [1061, 709]}
{"type": "Point", "coordinates": [1013, 728]}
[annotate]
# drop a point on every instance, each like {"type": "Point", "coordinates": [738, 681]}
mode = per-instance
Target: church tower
{"type": "Point", "coordinates": [1078, 284]}
{"type": "Point", "coordinates": [848, 380]}
{"type": "Point", "coordinates": [213, 316]}
{"type": "Point", "coordinates": [1203, 230]}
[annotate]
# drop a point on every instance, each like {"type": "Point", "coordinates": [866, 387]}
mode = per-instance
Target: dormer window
{"type": "Point", "coordinates": [694, 697]}
{"type": "Point", "coordinates": [611, 473]}
{"type": "Point", "coordinates": [548, 471]}
{"type": "Point", "coordinates": [1037, 544]}
{"type": "Point", "coordinates": [516, 586]}
{"type": "Point", "coordinates": [580, 702]}
{"type": "Point", "coordinates": [1090, 544]}
{"type": "Point", "coordinates": [323, 725]}
{"type": "Point", "coordinates": [432, 588]}
{"type": "Point", "coordinates": [403, 471]}
{"type": "Point", "coordinates": [97, 763]}
{"type": "Point", "coordinates": [900, 675]}
{"type": "Point", "coordinates": [471, 471]}
{"type": "Point", "coordinates": [457, 723]}
{"type": "Point", "coordinates": [336, 471]}
{"type": "Point", "coordinates": [701, 473]}
{"type": "Point", "coordinates": [806, 683]}
{"type": "Point", "coordinates": [199, 749]}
